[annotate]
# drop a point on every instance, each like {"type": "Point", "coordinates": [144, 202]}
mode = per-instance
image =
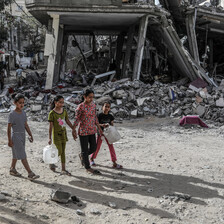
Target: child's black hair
{"type": "Point", "coordinates": [86, 93]}
{"type": "Point", "coordinates": [18, 97]}
{"type": "Point", "coordinates": [107, 102]}
{"type": "Point", "coordinates": [57, 98]}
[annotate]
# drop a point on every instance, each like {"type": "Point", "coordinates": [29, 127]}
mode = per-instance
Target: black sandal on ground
{"type": "Point", "coordinates": [33, 176]}
{"type": "Point", "coordinates": [52, 167]}
{"type": "Point", "coordinates": [65, 172]}
{"type": "Point", "coordinates": [92, 171]}
{"type": "Point", "coordinates": [14, 173]}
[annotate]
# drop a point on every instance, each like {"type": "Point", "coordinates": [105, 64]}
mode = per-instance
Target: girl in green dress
{"type": "Point", "coordinates": [58, 118]}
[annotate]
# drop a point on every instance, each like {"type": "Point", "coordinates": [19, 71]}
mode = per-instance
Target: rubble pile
{"type": "Point", "coordinates": [129, 99]}
{"type": "Point", "coordinates": [136, 99]}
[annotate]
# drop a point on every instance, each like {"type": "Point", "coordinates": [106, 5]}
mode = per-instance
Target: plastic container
{"type": "Point", "coordinates": [111, 134]}
{"type": "Point", "coordinates": [50, 154]}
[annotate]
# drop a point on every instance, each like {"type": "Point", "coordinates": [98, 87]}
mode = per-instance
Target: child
{"type": "Point", "coordinates": [105, 118]}
{"type": "Point", "coordinates": [87, 121]}
{"type": "Point", "coordinates": [57, 118]}
{"type": "Point", "coordinates": [18, 123]}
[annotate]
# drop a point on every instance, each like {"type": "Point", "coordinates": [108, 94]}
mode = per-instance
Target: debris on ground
{"type": "Point", "coordinates": [129, 99]}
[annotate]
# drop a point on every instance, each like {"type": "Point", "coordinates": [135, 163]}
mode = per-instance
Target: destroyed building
{"type": "Point", "coordinates": [150, 40]}
{"type": "Point", "coordinates": [167, 58]}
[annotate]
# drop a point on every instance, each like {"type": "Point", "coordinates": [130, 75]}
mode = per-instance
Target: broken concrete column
{"type": "Point", "coordinates": [192, 39]}
{"type": "Point", "coordinates": [53, 47]}
{"type": "Point", "coordinates": [131, 33]}
{"type": "Point", "coordinates": [140, 47]}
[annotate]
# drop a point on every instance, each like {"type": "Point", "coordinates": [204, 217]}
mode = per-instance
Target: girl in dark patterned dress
{"type": "Point", "coordinates": [87, 120]}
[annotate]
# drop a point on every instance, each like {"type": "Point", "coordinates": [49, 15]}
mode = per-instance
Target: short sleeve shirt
{"type": "Point", "coordinates": [59, 125]}
{"type": "Point", "coordinates": [105, 118]}
{"type": "Point", "coordinates": [86, 118]}
{"type": "Point", "coordinates": [18, 121]}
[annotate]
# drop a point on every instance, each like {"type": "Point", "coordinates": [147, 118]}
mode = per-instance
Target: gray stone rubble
{"type": "Point", "coordinates": [129, 99]}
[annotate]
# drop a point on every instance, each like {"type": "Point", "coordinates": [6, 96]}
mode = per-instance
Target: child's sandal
{"type": "Point", "coordinates": [117, 166]}
{"type": "Point", "coordinates": [92, 171]}
{"type": "Point", "coordinates": [52, 167]}
{"type": "Point", "coordinates": [14, 172]}
{"type": "Point", "coordinates": [33, 176]}
{"type": "Point", "coordinates": [92, 163]}
{"type": "Point", "coordinates": [65, 172]}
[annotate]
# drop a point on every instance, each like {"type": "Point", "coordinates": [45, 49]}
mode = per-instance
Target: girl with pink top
{"type": "Point", "coordinates": [87, 120]}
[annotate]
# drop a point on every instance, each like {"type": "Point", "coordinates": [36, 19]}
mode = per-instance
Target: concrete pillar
{"type": "Point", "coordinates": [140, 47]}
{"type": "Point", "coordinates": [192, 38]}
{"type": "Point", "coordinates": [63, 54]}
{"type": "Point", "coordinates": [126, 64]}
{"type": "Point", "coordinates": [120, 43]}
{"type": "Point", "coordinates": [53, 47]}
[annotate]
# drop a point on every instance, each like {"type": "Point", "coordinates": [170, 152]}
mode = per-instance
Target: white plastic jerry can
{"type": "Point", "coordinates": [50, 154]}
{"type": "Point", "coordinates": [111, 134]}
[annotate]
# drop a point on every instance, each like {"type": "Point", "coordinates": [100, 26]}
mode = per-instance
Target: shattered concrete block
{"type": "Point", "coordinates": [35, 107]}
{"type": "Point", "coordinates": [60, 196]}
{"type": "Point", "coordinates": [140, 101]}
{"type": "Point", "coordinates": [40, 97]}
{"type": "Point", "coordinates": [119, 102]}
{"type": "Point", "coordinates": [203, 93]}
{"type": "Point", "coordinates": [138, 91]}
{"type": "Point", "coordinates": [221, 86]}
{"type": "Point", "coordinates": [70, 105]}
{"type": "Point", "coordinates": [194, 105]}
{"type": "Point", "coordinates": [122, 113]}
{"type": "Point", "coordinates": [114, 110]}
{"type": "Point", "coordinates": [103, 99]}
{"type": "Point", "coordinates": [113, 105]}
{"type": "Point", "coordinates": [140, 113]}
{"type": "Point", "coordinates": [97, 95]}
{"type": "Point", "coordinates": [131, 96]}
{"type": "Point", "coordinates": [187, 111]}
{"type": "Point", "coordinates": [99, 90]}
{"type": "Point", "coordinates": [109, 91]}
{"type": "Point", "coordinates": [200, 110]}
{"type": "Point", "coordinates": [146, 109]}
{"type": "Point", "coordinates": [190, 93]}
{"type": "Point", "coordinates": [211, 101]}
{"type": "Point", "coordinates": [134, 113]}
{"type": "Point", "coordinates": [177, 112]}
{"type": "Point", "coordinates": [199, 99]}
{"type": "Point", "coordinates": [119, 94]}
{"type": "Point", "coordinates": [153, 111]}
{"type": "Point", "coordinates": [194, 88]}
{"type": "Point", "coordinates": [220, 102]}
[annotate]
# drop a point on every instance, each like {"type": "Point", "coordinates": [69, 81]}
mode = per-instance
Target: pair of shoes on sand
{"type": "Point", "coordinates": [31, 175]}
{"type": "Point", "coordinates": [63, 172]}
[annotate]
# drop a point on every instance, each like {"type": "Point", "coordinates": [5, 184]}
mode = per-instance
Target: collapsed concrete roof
{"type": "Point", "coordinates": [101, 16]}
{"type": "Point", "coordinates": [113, 17]}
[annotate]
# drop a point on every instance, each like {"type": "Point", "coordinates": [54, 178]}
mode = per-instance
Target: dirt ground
{"type": "Point", "coordinates": [171, 175]}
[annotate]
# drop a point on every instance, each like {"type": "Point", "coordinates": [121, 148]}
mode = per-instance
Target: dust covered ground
{"type": "Point", "coordinates": [171, 175]}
